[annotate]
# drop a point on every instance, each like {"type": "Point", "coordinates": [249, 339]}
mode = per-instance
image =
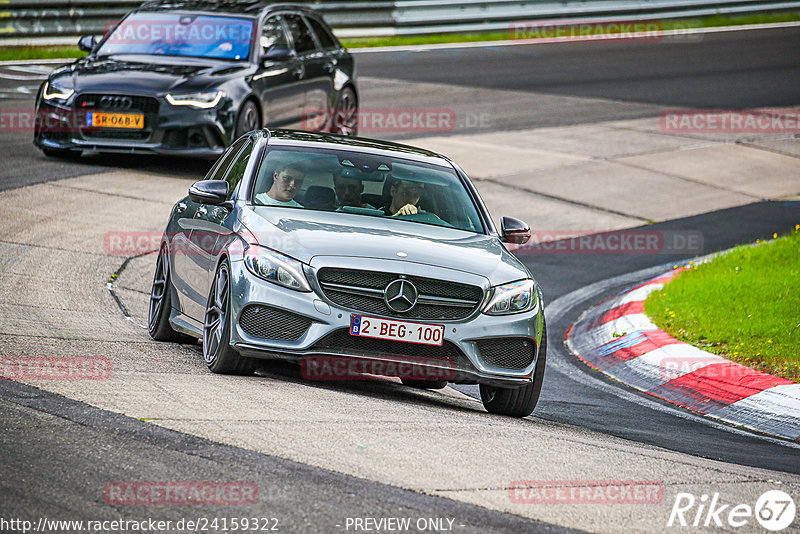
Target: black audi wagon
{"type": "Point", "coordinates": [190, 77]}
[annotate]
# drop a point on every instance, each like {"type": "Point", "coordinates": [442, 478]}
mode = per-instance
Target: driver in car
{"type": "Point", "coordinates": [348, 187]}
{"type": "Point", "coordinates": [286, 183]}
{"type": "Point", "coordinates": [404, 197]}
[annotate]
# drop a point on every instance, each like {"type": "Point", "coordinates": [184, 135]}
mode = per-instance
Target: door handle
{"type": "Point", "coordinates": [202, 211]}
{"type": "Point", "coordinates": [180, 208]}
{"type": "Point", "coordinates": [299, 71]}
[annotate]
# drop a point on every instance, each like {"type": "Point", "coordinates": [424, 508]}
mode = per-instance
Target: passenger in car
{"type": "Point", "coordinates": [349, 187]}
{"type": "Point", "coordinates": [286, 183]}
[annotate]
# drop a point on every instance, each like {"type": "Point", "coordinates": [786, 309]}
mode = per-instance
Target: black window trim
{"type": "Point", "coordinates": [213, 172]}
{"type": "Point", "coordinates": [260, 145]}
{"type": "Point", "coordinates": [336, 44]}
{"type": "Point", "coordinates": [317, 50]}
{"type": "Point", "coordinates": [286, 33]}
{"type": "Point", "coordinates": [248, 143]}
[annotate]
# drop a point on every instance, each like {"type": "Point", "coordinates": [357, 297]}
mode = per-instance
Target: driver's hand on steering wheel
{"type": "Point", "coordinates": [408, 209]}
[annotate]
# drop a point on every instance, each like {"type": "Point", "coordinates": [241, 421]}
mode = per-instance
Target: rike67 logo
{"type": "Point", "coordinates": [774, 510]}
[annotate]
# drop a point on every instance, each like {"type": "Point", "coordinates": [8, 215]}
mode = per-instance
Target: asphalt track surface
{"type": "Point", "coordinates": [77, 448]}
{"type": "Point", "coordinates": [737, 70]}
{"type": "Point", "coordinates": [622, 80]}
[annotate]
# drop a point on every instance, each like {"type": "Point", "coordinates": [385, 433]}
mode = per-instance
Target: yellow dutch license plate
{"type": "Point", "coordinates": [134, 121]}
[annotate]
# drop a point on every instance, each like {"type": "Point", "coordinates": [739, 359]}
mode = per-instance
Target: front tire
{"type": "Point", "coordinates": [248, 119]}
{"type": "Point", "coordinates": [344, 119]}
{"type": "Point", "coordinates": [517, 402]}
{"type": "Point", "coordinates": [220, 357]}
{"type": "Point", "coordinates": [161, 304]}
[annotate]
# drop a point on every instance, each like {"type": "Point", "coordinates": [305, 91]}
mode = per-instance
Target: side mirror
{"type": "Point", "coordinates": [213, 192]}
{"type": "Point", "coordinates": [514, 231]}
{"type": "Point", "coordinates": [277, 54]}
{"type": "Point", "coordinates": [87, 43]}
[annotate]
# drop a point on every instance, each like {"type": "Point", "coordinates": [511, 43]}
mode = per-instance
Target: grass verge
{"type": "Point", "coordinates": [743, 305]}
{"type": "Point", "coordinates": [8, 53]}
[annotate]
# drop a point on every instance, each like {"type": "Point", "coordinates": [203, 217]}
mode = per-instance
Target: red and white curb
{"type": "Point", "coordinates": [617, 338]}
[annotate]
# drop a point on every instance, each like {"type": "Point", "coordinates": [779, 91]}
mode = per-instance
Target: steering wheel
{"type": "Point", "coordinates": [424, 217]}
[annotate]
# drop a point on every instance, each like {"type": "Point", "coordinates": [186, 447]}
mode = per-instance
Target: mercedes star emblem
{"type": "Point", "coordinates": [400, 295]}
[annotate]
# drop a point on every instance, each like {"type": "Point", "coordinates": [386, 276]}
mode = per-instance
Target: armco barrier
{"type": "Point", "coordinates": [71, 18]}
{"type": "Point", "coordinates": [60, 21]}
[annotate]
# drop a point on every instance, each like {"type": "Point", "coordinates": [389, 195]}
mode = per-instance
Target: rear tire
{"type": "Point", "coordinates": [517, 402]}
{"type": "Point", "coordinates": [220, 357]}
{"type": "Point", "coordinates": [161, 304]}
{"type": "Point", "coordinates": [425, 384]}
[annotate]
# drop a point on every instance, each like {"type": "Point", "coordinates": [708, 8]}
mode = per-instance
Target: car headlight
{"type": "Point", "coordinates": [53, 91]}
{"type": "Point", "coordinates": [206, 100]}
{"type": "Point", "coordinates": [276, 268]}
{"type": "Point", "coordinates": [516, 297]}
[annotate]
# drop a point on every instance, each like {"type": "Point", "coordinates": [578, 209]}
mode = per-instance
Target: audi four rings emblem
{"type": "Point", "coordinates": [116, 102]}
{"type": "Point", "coordinates": [400, 295]}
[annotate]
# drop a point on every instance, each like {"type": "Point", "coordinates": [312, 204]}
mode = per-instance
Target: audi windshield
{"type": "Point", "coordinates": [365, 184]}
{"type": "Point", "coordinates": [174, 34]}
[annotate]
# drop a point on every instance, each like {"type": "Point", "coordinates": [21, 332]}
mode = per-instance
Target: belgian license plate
{"type": "Point", "coordinates": [427, 334]}
{"type": "Point", "coordinates": [134, 121]}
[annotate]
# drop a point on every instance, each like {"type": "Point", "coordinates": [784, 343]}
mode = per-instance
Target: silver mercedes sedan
{"type": "Point", "coordinates": [356, 259]}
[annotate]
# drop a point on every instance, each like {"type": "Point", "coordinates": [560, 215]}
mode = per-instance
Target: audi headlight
{"type": "Point", "coordinates": [516, 297]}
{"type": "Point", "coordinates": [206, 100]}
{"type": "Point", "coordinates": [276, 268]}
{"type": "Point", "coordinates": [54, 91]}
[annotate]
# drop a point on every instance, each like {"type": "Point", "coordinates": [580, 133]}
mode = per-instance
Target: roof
{"type": "Point", "coordinates": [241, 7]}
{"type": "Point", "coordinates": [348, 142]}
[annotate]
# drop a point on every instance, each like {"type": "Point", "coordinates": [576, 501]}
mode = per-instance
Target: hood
{"type": "Point", "coordinates": [148, 75]}
{"type": "Point", "coordinates": [305, 235]}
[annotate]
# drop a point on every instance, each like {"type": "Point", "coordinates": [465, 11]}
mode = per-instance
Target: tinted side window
{"type": "Point", "coordinates": [272, 34]}
{"type": "Point", "coordinates": [303, 40]}
{"type": "Point", "coordinates": [236, 173]}
{"type": "Point", "coordinates": [219, 173]}
{"type": "Point", "coordinates": [326, 39]}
